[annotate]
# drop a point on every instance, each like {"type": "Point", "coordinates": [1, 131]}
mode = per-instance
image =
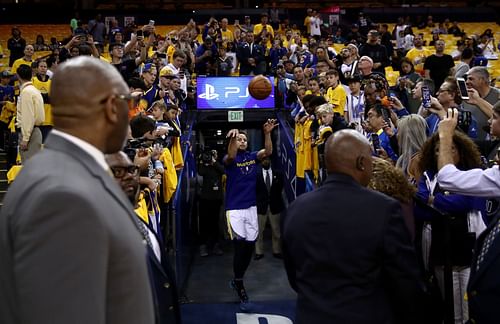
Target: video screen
{"type": "Point", "coordinates": [229, 93]}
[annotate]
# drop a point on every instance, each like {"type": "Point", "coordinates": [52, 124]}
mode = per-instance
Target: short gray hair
{"type": "Point", "coordinates": [481, 71]}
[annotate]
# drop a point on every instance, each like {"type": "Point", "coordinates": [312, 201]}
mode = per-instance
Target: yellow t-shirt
{"type": "Point", "coordinates": [227, 35]}
{"type": "Point", "coordinates": [17, 63]}
{"type": "Point", "coordinates": [418, 58]}
{"type": "Point", "coordinates": [307, 24]}
{"type": "Point", "coordinates": [44, 87]}
{"type": "Point", "coordinates": [257, 29]}
{"type": "Point", "coordinates": [309, 92]}
{"type": "Point", "coordinates": [337, 97]}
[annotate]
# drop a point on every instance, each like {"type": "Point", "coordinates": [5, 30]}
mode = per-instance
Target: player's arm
{"type": "Point", "coordinates": [268, 144]}
{"type": "Point", "coordinates": [232, 148]}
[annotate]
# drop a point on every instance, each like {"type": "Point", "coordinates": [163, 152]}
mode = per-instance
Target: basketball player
{"type": "Point", "coordinates": [241, 201]}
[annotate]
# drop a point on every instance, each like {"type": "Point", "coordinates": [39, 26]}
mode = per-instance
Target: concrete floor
{"type": "Point", "coordinates": [265, 279]}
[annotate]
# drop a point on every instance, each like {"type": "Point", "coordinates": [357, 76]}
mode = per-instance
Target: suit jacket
{"type": "Point", "coordinates": [243, 54]}
{"type": "Point", "coordinates": [70, 247]}
{"type": "Point", "coordinates": [349, 257]}
{"type": "Point", "coordinates": [273, 199]}
{"type": "Point", "coordinates": [483, 291]}
{"type": "Point", "coordinates": [162, 278]}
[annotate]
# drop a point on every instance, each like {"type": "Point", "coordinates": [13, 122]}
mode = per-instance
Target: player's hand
{"type": "Point", "coordinates": [269, 126]}
{"type": "Point", "coordinates": [232, 133]}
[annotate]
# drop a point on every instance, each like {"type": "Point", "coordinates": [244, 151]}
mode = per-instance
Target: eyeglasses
{"type": "Point", "coordinates": [120, 172]}
{"type": "Point", "coordinates": [131, 99]}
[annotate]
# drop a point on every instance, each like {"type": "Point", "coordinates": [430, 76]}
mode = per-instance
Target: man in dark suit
{"type": "Point", "coordinates": [346, 248]}
{"type": "Point", "coordinates": [70, 245]}
{"type": "Point", "coordinates": [162, 277]}
{"type": "Point", "coordinates": [269, 206]}
{"type": "Point", "coordinates": [251, 57]}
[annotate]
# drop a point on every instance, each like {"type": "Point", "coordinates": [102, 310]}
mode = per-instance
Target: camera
{"type": "Point", "coordinates": [207, 156]}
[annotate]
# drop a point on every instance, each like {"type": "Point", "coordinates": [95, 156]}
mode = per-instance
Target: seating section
{"type": "Point", "coordinates": [29, 32]}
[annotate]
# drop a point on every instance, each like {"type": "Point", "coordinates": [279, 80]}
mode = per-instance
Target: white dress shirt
{"type": "Point", "coordinates": [475, 182]}
{"type": "Point", "coordinates": [90, 149]}
{"type": "Point", "coordinates": [264, 171]}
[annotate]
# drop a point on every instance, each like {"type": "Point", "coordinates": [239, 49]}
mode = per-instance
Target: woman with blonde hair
{"type": "Point", "coordinates": [412, 134]}
{"type": "Point", "coordinates": [389, 180]}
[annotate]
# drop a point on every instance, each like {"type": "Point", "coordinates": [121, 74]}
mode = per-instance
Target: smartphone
{"type": "Point", "coordinates": [462, 88]}
{"type": "Point", "coordinates": [376, 142]}
{"type": "Point", "coordinates": [426, 97]}
{"type": "Point", "coordinates": [464, 120]}
{"type": "Point", "coordinates": [386, 115]}
{"type": "Point", "coordinates": [139, 33]}
{"type": "Point", "coordinates": [151, 23]}
{"type": "Point", "coordinates": [236, 22]}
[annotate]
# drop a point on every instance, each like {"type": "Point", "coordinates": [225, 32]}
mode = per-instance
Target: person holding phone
{"type": "Point", "coordinates": [448, 96]}
{"type": "Point", "coordinates": [478, 78]}
{"type": "Point", "coordinates": [382, 130]}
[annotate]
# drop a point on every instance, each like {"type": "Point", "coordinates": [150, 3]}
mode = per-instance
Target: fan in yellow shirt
{"type": "Point", "coordinates": [335, 95]}
{"type": "Point", "coordinates": [42, 82]}
{"type": "Point", "coordinates": [418, 54]}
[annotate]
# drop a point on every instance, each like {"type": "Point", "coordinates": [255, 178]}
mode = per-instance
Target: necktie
{"type": "Point", "coordinates": [268, 181]}
{"type": "Point", "coordinates": [251, 45]}
{"type": "Point", "coordinates": [487, 243]}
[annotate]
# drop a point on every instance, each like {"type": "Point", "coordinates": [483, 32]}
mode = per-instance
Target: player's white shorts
{"type": "Point", "coordinates": [243, 223]}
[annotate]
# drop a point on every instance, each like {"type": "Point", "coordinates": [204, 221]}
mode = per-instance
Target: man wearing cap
{"type": "Point", "coordinates": [125, 67]}
{"type": "Point", "coordinates": [30, 114]}
{"type": "Point", "coordinates": [355, 35]}
{"type": "Point", "coordinates": [247, 26]}
{"type": "Point", "coordinates": [205, 56]}
{"type": "Point", "coordinates": [377, 52]}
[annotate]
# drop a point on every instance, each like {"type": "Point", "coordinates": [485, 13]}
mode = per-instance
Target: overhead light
{"type": "Point", "coordinates": [194, 11]}
{"type": "Point", "coordinates": [256, 7]}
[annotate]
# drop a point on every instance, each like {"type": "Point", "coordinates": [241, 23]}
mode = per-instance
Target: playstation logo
{"type": "Point", "coordinates": [209, 93]}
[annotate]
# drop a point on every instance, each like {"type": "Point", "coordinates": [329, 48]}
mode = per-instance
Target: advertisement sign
{"type": "Point", "coordinates": [228, 93]}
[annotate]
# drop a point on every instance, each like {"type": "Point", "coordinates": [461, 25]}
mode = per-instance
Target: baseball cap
{"type": "Point", "coordinates": [113, 45]}
{"type": "Point", "coordinates": [5, 74]}
{"type": "Point", "coordinates": [148, 67]}
{"type": "Point", "coordinates": [166, 72]}
{"type": "Point", "coordinates": [354, 26]}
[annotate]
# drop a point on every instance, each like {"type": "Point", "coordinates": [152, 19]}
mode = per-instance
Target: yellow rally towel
{"type": "Point", "coordinates": [12, 173]}
{"type": "Point", "coordinates": [169, 176]}
{"type": "Point", "coordinates": [142, 209]}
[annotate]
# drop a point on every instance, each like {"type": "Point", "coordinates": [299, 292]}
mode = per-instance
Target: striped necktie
{"type": "Point", "coordinates": [492, 235]}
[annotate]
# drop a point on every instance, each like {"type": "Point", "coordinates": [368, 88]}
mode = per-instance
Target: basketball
{"type": "Point", "coordinates": [260, 87]}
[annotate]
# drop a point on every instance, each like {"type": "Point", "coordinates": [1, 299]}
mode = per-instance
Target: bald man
{"type": "Point", "coordinates": [70, 246]}
{"type": "Point", "coordinates": [346, 248]}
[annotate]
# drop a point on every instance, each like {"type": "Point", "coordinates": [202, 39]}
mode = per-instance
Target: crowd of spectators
{"type": "Point", "coordinates": [321, 89]}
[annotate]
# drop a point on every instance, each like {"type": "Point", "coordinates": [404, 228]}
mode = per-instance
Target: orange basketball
{"type": "Point", "coordinates": [260, 87]}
